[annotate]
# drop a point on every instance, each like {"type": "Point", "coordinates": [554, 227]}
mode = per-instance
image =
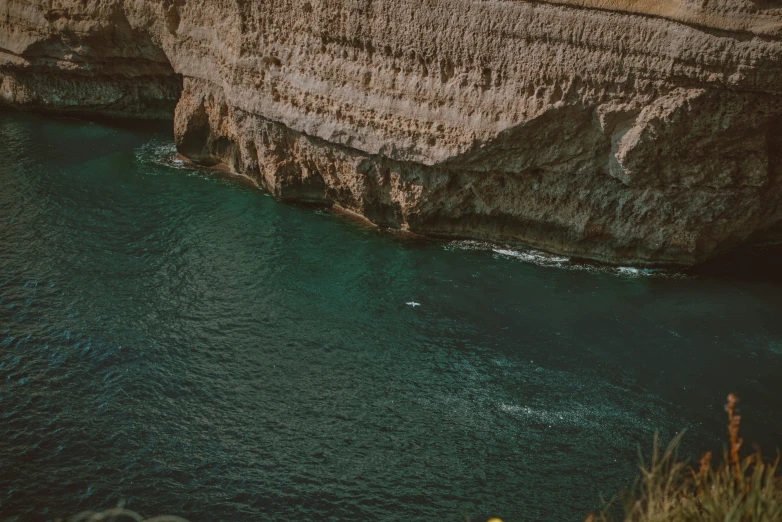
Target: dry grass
{"type": "Point", "coordinates": [735, 490]}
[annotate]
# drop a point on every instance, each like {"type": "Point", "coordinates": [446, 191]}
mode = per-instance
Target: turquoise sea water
{"type": "Point", "coordinates": [187, 344]}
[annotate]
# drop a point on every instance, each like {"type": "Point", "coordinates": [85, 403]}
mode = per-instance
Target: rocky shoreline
{"type": "Point", "coordinates": [640, 133]}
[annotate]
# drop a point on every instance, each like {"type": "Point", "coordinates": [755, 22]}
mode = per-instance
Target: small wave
{"type": "Point", "coordinates": [532, 256]}
{"type": "Point", "coordinates": [539, 258]}
{"type": "Point", "coordinates": [165, 154]}
{"type": "Point", "coordinates": [535, 257]}
{"type": "Point", "coordinates": [162, 154]}
{"type": "Point", "coordinates": [576, 417]}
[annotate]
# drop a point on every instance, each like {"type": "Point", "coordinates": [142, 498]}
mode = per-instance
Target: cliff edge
{"type": "Point", "coordinates": [625, 131]}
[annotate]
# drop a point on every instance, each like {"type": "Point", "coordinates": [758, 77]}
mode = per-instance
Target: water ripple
{"type": "Point", "coordinates": [176, 340]}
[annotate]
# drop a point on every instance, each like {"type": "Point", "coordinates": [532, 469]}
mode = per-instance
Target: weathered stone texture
{"type": "Point", "coordinates": [627, 131]}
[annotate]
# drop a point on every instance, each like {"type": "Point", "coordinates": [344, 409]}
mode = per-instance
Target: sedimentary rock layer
{"type": "Point", "coordinates": [632, 131]}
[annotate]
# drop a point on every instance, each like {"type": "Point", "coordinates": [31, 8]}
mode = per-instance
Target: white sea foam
{"type": "Point", "coordinates": [532, 256]}
{"type": "Point", "coordinates": [577, 417]}
{"type": "Point", "coordinates": [165, 154]}
{"type": "Point", "coordinates": [539, 258]}
{"type": "Point", "coordinates": [160, 153]}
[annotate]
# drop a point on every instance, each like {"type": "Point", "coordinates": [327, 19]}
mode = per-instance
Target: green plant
{"type": "Point", "coordinates": [736, 490]}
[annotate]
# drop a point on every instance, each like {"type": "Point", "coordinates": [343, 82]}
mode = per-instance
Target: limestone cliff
{"type": "Point", "coordinates": [627, 131]}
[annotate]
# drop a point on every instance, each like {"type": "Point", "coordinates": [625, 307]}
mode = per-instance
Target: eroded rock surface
{"type": "Point", "coordinates": [627, 131]}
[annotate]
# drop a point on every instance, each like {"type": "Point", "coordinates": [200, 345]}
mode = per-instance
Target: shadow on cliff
{"type": "Point", "coordinates": [747, 263]}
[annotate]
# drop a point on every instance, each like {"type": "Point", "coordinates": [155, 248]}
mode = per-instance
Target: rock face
{"type": "Point", "coordinates": [626, 131]}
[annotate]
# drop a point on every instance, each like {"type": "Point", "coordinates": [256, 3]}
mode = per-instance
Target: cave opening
{"type": "Point", "coordinates": [111, 72]}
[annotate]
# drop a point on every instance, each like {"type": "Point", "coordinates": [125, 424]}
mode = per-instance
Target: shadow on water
{"type": "Point", "coordinates": [78, 119]}
{"type": "Point", "coordinates": [756, 263]}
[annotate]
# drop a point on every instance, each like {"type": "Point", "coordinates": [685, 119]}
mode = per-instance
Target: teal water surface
{"type": "Point", "coordinates": [185, 343]}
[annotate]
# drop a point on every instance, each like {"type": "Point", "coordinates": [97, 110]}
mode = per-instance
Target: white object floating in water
{"type": "Point", "coordinates": [413, 304]}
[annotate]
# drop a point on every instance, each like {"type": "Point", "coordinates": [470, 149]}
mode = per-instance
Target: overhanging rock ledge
{"type": "Point", "coordinates": [626, 131]}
